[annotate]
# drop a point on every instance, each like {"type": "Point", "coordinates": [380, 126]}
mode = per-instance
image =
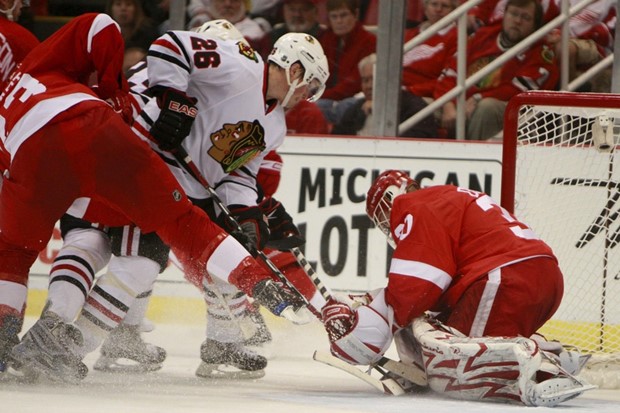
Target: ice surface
{"type": "Point", "coordinates": [294, 383]}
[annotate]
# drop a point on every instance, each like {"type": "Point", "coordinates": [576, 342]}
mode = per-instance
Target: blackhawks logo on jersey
{"type": "Point", "coordinates": [236, 144]}
{"type": "Point", "coordinates": [247, 51]}
{"type": "Point", "coordinates": [548, 54]}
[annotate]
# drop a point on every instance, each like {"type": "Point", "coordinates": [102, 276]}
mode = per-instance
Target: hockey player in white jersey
{"type": "Point", "coordinates": [239, 109]}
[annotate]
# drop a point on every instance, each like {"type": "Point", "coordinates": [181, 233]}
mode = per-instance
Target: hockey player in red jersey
{"type": "Point", "coordinates": [15, 40]}
{"type": "Point", "coordinates": [15, 43]}
{"type": "Point", "coordinates": [487, 279]}
{"type": "Point", "coordinates": [66, 142]}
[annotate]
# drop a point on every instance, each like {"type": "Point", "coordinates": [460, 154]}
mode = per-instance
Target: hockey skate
{"type": "Point", "coordinates": [229, 361]}
{"type": "Point", "coordinates": [262, 335]}
{"type": "Point", "coordinates": [48, 349]}
{"type": "Point", "coordinates": [124, 351]}
{"type": "Point", "coordinates": [9, 369]}
{"type": "Point", "coordinates": [555, 384]}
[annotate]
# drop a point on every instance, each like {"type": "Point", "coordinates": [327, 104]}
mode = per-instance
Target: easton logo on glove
{"type": "Point", "coordinates": [184, 109]}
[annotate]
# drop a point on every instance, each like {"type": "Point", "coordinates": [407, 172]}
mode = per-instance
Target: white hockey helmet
{"type": "Point", "coordinates": [305, 49]}
{"type": "Point", "coordinates": [222, 29]}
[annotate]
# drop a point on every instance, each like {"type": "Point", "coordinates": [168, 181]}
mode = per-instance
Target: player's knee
{"type": "Point", "coordinates": [16, 262]}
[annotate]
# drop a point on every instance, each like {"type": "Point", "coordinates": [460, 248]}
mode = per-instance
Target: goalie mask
{"type": "Point", "coordinates": [305, 49]}
{"type": "Point", "coordinates": [380, 197]}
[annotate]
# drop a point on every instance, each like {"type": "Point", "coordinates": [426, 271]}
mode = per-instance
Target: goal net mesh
{"type": "Point", "coordinates": [567, 189]}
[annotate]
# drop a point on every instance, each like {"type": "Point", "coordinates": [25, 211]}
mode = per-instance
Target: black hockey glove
{"type": "Point", "coordinates": [178, 112]}
{"type": "Point", "coordinates": [252, 222]}
{"type": "Point", "coordinates": [284, 235]}
{"type": "Point", "coordinates": [275, 297]}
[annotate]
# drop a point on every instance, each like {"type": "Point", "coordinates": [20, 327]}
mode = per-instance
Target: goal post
{"type": "Point", "coordinates": [561, 176]}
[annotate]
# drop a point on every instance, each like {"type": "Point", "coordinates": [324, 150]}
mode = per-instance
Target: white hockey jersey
{"type": "Point", "coordinates": [228, 80]}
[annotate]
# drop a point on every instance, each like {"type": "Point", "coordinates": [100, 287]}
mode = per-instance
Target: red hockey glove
{"type": "Point", "coordinates": [121, 104]}
{"type": "Point", "coordinates": [178, 112]}
{"type": "Point", "coordinates": [338, 319]}
{"type": "Point", "coordinates": [284, 235]}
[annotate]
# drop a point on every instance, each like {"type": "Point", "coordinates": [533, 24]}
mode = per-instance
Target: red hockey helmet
{"type": "Point", "coordinates": [382, 192]}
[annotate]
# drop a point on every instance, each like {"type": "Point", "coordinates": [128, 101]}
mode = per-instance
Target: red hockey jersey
{"type": "Point", "coordinates": [447, 238]}
{"type": "Point", "coordinates": [15, 43]}
{"type": "Point", "coordinates": [45, 84]}
{"type": "Point", "coordinates": [535, 68]}
{"type": "Point", "coordinates": [423, 64]}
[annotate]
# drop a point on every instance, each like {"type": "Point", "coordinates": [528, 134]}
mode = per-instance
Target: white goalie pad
{"type": "Point", "coordinates": [499, 369]}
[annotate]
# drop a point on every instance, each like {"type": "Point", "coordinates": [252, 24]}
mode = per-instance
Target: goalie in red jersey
{"type": "Point", "coordinates": [488, 282]}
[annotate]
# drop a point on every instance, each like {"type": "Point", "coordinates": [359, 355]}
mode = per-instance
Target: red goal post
{"type": "Point", "coordinates": [561, 176]}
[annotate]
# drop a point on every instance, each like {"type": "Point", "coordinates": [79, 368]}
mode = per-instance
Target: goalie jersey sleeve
{"type": "Point", "coordinates": [235, 126]}
{"type": "Point", "coordinates": [447, 238]}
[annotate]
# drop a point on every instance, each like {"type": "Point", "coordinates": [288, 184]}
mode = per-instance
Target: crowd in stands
{"type": "Point", "coordinates": [347, 32]}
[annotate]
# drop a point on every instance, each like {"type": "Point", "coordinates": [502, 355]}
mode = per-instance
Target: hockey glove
{"type": "Point", "coordinates": [121, 104]}
{"type": "Point", "coordinates": [255, 231]}
{"type": "Point", "coordinates": [276, 297]}
{"type": "Point", "coordinates": [284, 235]}
{"type": "Point", "coordinates": [178, 112]}
{"type": "Point", "coordinates": [338, 319]}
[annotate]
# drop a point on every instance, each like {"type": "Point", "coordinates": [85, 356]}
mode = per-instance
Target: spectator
{"type": "Point", "coordinates": [591, 29]}
{"type": "Point", "coordinates": [159, 12]}
{"type": "Point", "coordinates": [138, 30]}
{"type": "Point", "coordinates": [269, 10]}
{"type": "Point", "coordinates": [532, 69]}
{"type": "Point", "coordinates": [358, 119]}
{"type": "Point", "coordinates": [346, 42]}
{"type": "Point", "coordinates": [235, 11]}
{"type": "Point", "coordinates": [591, 39]}
{"type": "Point", "coordinates": [299, 16]}
{"type": "Point", "coordinates": [423, 64]}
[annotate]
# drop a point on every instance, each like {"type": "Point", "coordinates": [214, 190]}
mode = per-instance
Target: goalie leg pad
{"type": "Point", "coordinates": [500, 369]}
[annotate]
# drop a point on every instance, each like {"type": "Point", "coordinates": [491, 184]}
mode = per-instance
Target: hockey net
{"type": "Point", "coordinates": [561, 175]}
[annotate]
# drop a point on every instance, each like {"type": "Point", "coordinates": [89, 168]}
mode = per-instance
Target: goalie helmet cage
{"type": "Point", "coordinates": [561, 175]}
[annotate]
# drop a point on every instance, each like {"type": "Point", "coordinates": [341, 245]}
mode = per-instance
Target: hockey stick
{"type": "Point", "coordinates": [385, 385]}
{"type": "Point", "coordinates": [407, 371]}
{"type": "Point", "coordinates": [188, 164]}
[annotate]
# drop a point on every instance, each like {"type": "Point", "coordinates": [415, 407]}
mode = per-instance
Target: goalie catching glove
{"type": "Point", "coordinates": [178, 112]}
{"type": "Point", "coordinates": [284, 235]}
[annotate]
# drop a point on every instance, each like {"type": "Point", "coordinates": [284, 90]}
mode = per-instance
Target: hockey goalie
{"type": "Point", "coordinates": [469, 285]}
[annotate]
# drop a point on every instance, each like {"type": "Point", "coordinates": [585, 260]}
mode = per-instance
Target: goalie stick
{"type": "Point", "coordinates": [386, 385]}
{"type": "Point", "coordinates": [407, 371]}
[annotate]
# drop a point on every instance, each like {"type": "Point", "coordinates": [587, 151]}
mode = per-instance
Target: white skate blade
{"type": "Point", "coordinates": [552, 392]}
{"type": "Point", "coordinates": [11, 375]}
{"type": "Point", "coordinates": [225, 371]}
{"type": "Point", "coordinates": [115, 365]}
